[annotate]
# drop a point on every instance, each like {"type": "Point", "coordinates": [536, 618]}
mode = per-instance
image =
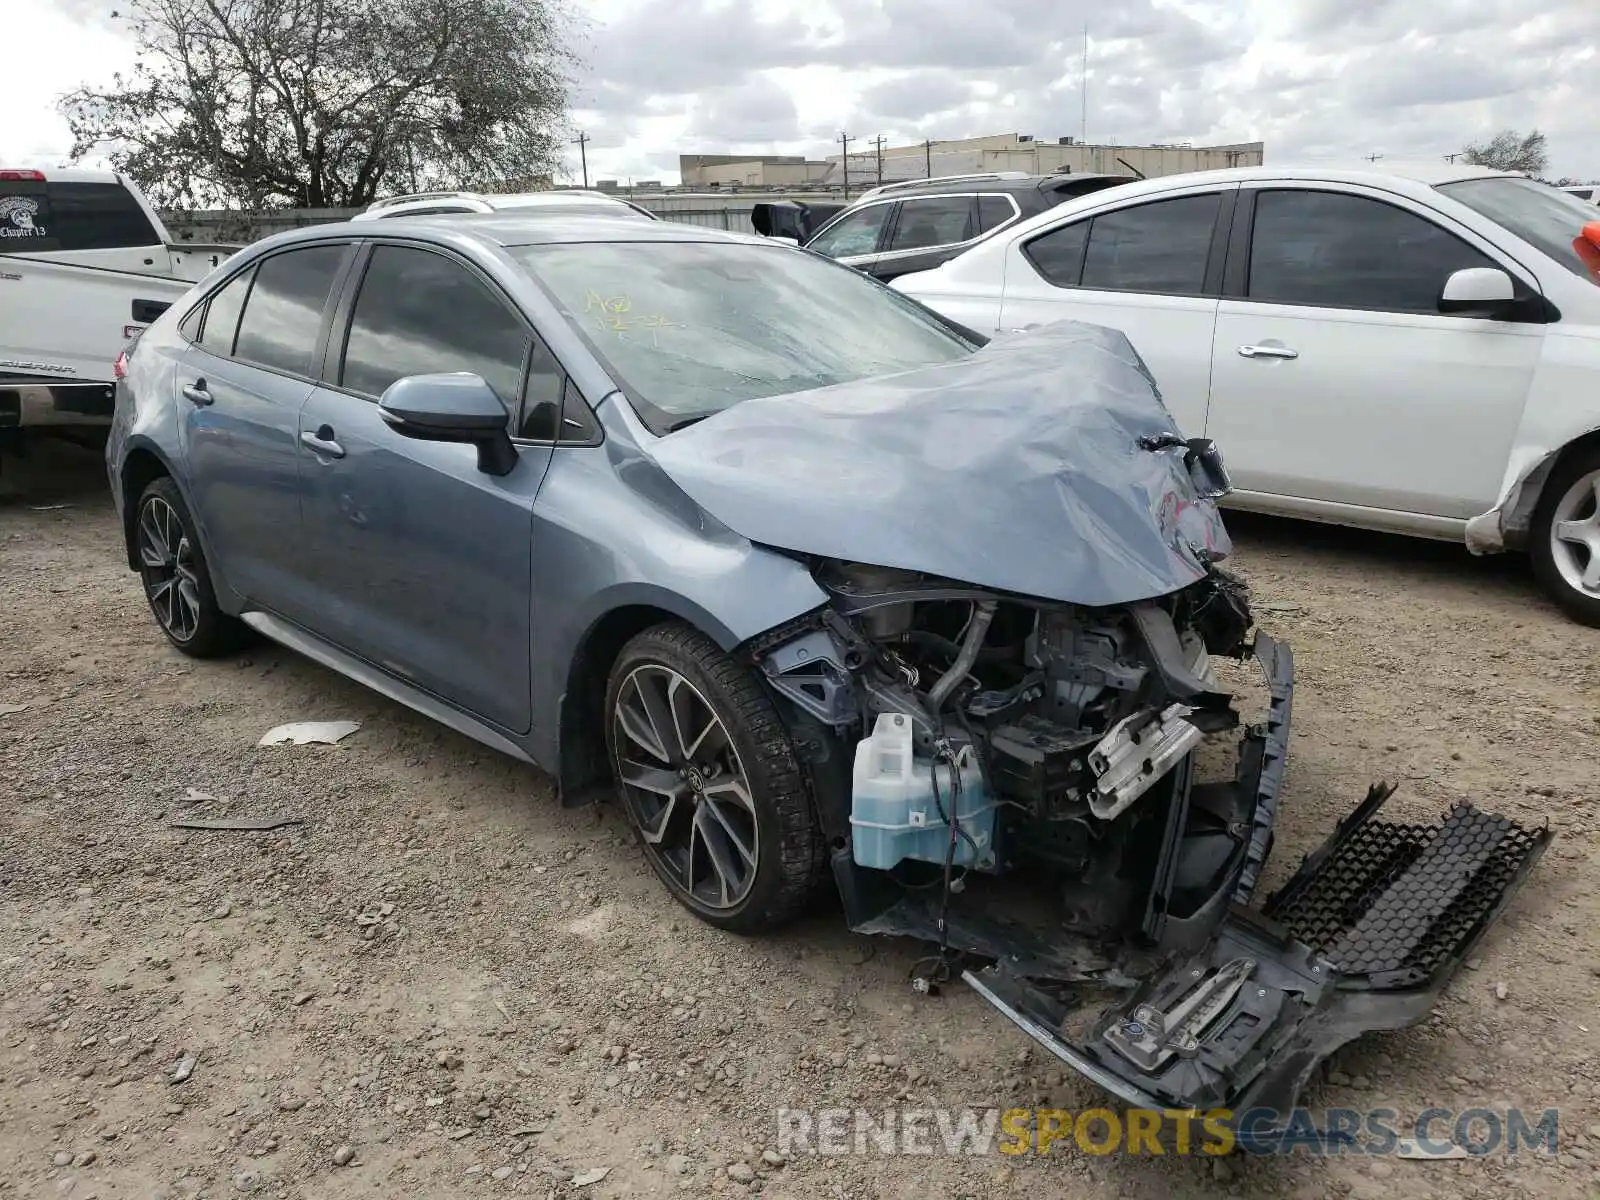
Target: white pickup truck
{"type": "Point", "coordinates": [85, 264]}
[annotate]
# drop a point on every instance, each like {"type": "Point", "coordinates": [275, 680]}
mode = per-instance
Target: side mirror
{"type": "Point", "coordinates": [1478, 292]}
{"type": "Point", "coordinates": [458, 407]}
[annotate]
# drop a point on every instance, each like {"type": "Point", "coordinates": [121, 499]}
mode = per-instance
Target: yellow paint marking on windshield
{"type": "Point", "coordinates": [613, 312]}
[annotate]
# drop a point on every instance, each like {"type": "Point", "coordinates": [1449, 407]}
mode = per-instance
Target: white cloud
{"type": "Point", "coordinates": [1315, 79]}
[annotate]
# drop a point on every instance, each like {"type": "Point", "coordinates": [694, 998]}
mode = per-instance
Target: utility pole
{"type": "Point", "coordinates": [878, 143]}
{"type": "Point", "coordinates": [844, 159]}
{"type": "Point", "coordinates": [927, 155]}
{"type": "Point", "coordinates": [1083, 131]}
{"type": "Point", "coordinates": [1450, 158]}
{"type": "Point", "coordinates": [582, 142]}
{"type": "Point", "coordinates": [1374, 157]}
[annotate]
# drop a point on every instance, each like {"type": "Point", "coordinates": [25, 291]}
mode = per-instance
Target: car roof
{"type": "Point", "coordinates": [980, 183]}
{"type": "Point", "coordinates": [1416, 179]}
{"type": "Point", "coordinates": [512, 228]}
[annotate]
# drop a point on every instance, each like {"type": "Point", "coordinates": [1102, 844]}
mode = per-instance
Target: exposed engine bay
{"type": "Point", "coordinates": [1015, 782]}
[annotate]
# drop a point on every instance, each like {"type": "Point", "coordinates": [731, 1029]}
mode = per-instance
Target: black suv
{"type": "Point", "coordinates": [917, 224]}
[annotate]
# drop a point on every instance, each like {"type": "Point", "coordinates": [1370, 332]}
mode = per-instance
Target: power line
{"type": "Point", "coordinates": [582, 142]}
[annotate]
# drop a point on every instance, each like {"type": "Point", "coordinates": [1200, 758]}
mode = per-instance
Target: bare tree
{"type": "Point", "coordinates": [321, 103]}
{"type": "Point", "coordinates": [1509, 150]}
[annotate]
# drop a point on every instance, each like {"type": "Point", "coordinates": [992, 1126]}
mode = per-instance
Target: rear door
{"type": "Point", "coordinates": [927, 231]}
{"type": "Point", "coordinates": [1152, 269]}
{"type": "Point", "coordinates": [255, 346]}
{"type": "Point", "coordinates": [423, 563]}
{"type": "Point", "coordinates": [1336, 377]}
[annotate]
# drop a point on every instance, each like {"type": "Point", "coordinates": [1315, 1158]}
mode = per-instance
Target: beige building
{"type": "Point", "coordinates": [996, 152]}
{"type": "Point", "coordinates": [743, 170]}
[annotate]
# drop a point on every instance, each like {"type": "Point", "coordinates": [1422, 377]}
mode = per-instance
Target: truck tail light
{"type": "Point", "coordinates": [120, 367]}
{"type": "Point", "coordinates": [21, 176]}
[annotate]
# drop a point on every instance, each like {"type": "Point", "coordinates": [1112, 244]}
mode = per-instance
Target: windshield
{"type": "Point", "coordinates": [1537, 213]}
{"type": "Point", "coordinates": [687, 329]}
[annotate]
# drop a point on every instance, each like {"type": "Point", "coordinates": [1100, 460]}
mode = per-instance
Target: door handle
{"type": "Point", "coordinates": [197, 394]}
{"type": "Point", "coordinates": [1267, 352]}
{"type": "Point", "coordinates": [321, 442]}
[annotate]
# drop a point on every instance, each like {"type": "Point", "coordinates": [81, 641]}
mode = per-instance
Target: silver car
{"type": "Point", "coordinates": [818, 586]}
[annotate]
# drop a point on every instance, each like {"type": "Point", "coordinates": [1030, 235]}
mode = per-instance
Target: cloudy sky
{"type": "Point", "coordinates": [1317, 80]}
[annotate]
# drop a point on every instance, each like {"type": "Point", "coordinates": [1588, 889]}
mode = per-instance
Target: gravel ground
{"type": "Point", "coordinates": [442, 984]}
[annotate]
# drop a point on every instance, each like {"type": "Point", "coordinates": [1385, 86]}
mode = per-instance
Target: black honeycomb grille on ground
{"type": "Point", "coordinates": [1396, 901]}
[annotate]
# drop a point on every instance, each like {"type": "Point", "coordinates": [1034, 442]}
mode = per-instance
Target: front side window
{"type": "Point", "coordinates": [1159, 247]}
{"type": "Point", "coordinates": [1336, 250]}
{"type": "Point", "coordinates": [420, 313]}
{"type": "Point", "coordinates": [283, 315]}
{"type": "Point", "coordinates": [932, 221]}
{"type": "Point", "coordinates": [221, 321]}
{"type": "Point", "coordinates": [540, 420]}
{"type": "Point", "coordinates": [687, 329]}
{"type": "Point", "coordinates": [856, 233]}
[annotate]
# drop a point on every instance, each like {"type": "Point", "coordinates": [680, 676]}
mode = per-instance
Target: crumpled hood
{"type": "Point", "coordinates": [1017, 469]}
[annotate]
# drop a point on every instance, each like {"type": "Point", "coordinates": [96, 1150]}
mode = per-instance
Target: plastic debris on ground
{"type": "Point", "coordinates": [302, 733]}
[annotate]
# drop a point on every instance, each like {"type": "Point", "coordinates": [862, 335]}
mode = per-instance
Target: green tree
{"type": "Point", "coordinates": [322, 103]}
{"type": "Point", "coordinates": [1509, 150]}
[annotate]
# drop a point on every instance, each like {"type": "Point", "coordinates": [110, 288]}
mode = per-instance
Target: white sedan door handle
{"type": "Point", "coordinates": [1267, 352]}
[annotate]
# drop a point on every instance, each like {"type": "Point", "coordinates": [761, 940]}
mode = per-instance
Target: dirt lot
{"type": "Point", "coordinates": [442, 984]}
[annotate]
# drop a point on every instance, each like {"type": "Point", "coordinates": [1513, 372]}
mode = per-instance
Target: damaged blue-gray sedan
{"type": "Point", "coordinates": [824, 591]}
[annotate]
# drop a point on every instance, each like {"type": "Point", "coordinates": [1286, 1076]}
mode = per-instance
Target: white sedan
{"type": "Point", "coordinates": [1415, 350]}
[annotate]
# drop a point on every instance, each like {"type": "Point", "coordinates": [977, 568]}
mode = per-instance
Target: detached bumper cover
{"type": "Point", "coordinates": [1363, 938]}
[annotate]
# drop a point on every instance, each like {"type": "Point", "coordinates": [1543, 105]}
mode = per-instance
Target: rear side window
{"type": "Point", "coordinates": [994, 211]}
{"type": "Point", "coordinates": [221, 321]}
{"type": "Point", "coordinates": [1058, 255]}
{"type": "Point", "coordinates": [1336, 250]}
{"type": "Point", "coordinates": [1159, 247]}
{"type": "Point", "coordinates": [98, 216]}
{"type": "Point", "coordinates": [933, 221]}
{"type": "Point", "coordinates": [284, 314]}
{"type": "Point", "coordinates": [71, 216]}
{"type": "Point", "coordinates": [421, 313]}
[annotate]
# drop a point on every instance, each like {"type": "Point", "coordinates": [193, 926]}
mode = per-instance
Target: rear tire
{"type": "Point", "coordinates": [706, 774]}
{"type": "Point", "coordinates": [1564, 538]}
{"type": "Point", "coordinates": [177, 583]}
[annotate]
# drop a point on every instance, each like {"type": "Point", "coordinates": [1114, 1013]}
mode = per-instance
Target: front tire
{"type": "Point", "coordinates": [1565, 537]}
{"type": "Point", "coordinates": [706, 773]}
{"type": "Point", "coordinates": [177, 583]}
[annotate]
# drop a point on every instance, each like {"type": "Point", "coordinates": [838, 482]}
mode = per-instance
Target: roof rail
{"type": "Point", "coordinates": [978, 176]}
{"type": "Point", "coordinates": [393, 200]}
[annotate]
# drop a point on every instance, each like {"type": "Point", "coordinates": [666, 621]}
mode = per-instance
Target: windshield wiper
{"type": "Point", "coordinates": [684, 420]}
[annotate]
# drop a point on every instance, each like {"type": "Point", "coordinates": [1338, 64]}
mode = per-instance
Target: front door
{"type": "Point", "coordinates": [1336, 378]}
{"type": "Point", "coordinates": [856, 238]}
{"type": "Point", "coordinates": [422, 562]}
{"type": "Point", "coordinates": [242, 382]}
{"type": "Point", "coordinates": [1150, 270]}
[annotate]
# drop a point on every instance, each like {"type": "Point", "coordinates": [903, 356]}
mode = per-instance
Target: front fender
{"type": "Point", "coordinates": [1560, 411]}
